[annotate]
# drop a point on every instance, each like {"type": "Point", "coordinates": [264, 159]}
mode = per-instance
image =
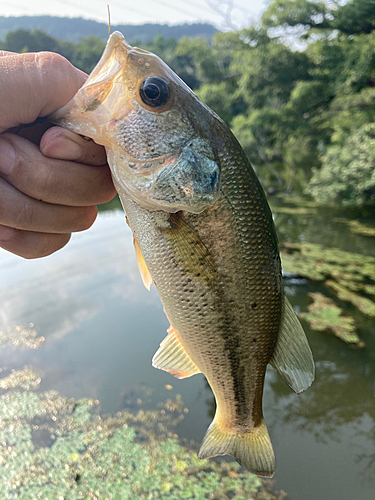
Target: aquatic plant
{"type": "Point", "coordinates": [357, 227]}
{"type": "Point", "coordinates": [324, 314]}
{"type": "Point", "coordinates": [25, 379]}
{"type": "Point", "coordinates": [345, 273]}
{"type": "Point", "coordinates": [20, 337]}
{"type": "Point", "coordinates": [59, 449]}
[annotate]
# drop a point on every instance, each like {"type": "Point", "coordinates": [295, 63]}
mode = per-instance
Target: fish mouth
{"type": "Point", "coordinates": [107, 77]}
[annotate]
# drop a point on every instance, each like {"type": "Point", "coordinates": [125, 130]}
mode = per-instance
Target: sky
{"type": "Point", "coordinates": [136, 12]}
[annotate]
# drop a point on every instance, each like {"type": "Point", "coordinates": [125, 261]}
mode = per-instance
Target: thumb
{"type": "Point", "coordinates": [34, 85]}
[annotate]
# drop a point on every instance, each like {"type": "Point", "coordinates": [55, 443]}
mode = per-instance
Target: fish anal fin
{"type": "Point", "coordinates": [172, 357]}
{"type": "Point", "coordinates": [142, 266]}
{"type": "Point", "coordinates": [252, 449]}
{"type": "Point", "coordinates": [292, 357]}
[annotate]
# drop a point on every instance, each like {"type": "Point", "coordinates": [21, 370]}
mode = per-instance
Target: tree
{"type": "Point", "coordinates": [351, 17]}
{"type": "Point", "coordinates": [347, 175]}
{"type": "Point", "coordinates": [30, 41]}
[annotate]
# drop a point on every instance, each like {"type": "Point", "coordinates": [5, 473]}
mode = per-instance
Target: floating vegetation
{"type": "Point", "coordinates": [294, 210]}
{"type": "Point", "coordinates": [325, 315]}
{"type": "Point", "coordinates": [20, 337]}
{"type": "Point", "coordinates": [345, 273]}
{"type": "Point", "coordinates": [366, 306]}
{"type": "Point", "coordinates": [357, 227]}
{"type": "Point", "coordinates": [25, 379]}
{"type": "Point", "coordinates": [294, 199]}
{"type": "Point", "coordinates": [55, 448]}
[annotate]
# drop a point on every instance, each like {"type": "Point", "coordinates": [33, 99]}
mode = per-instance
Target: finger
{"type": "Point", "coordinates": [52, 181]}
{"type": "Point", "coordinates": [31, 245]}
{"type": "Point", "coordinates": [35, 84]}
{"type": "Point", "coordinates": [5, 53]}
{"type": "Point", "coordinates": [33, 132]}
{"type": "Point", "coordinates": [22, 212]}
{"type": "Point", "coordinates": [60, 143]}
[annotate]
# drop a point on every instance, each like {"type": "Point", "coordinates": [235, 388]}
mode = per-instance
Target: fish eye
{"type": "Point", "coordinates": [154, 91]}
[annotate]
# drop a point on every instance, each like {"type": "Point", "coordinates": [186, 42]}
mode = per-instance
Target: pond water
{"type": "Point", "coordinates": [102, 327]}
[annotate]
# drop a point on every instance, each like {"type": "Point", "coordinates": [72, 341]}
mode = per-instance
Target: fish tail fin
{"type": "Point", "coordinates": [252, 449]}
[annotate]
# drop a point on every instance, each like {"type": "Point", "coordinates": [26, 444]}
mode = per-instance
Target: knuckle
{"type": "Point", "coordinates": [46, 184]}
{"type": "Point", "coordinates": [50, 60]}
{"type": "Point", "coordinates": [23, 217]}
{"type": "Point", "coordinates": [88, 218]}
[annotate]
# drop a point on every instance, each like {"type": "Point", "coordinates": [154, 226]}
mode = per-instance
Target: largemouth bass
{"type": "Point", "coordinates": [204, 234]}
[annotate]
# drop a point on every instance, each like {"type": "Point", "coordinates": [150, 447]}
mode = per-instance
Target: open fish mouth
{"type": "Point", "coordinates": [218, 272]}
{"type": "Point", "coordinates": [156, 156]}
{"type": "Point", "coordinates": [88, 111]}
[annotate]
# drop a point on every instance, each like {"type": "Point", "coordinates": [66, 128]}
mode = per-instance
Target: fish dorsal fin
{"type": "Point", "coordinates": [172, 357]}
{"type": "Point", "coordinates": [143, 269]}
{"type": "Point", "coordinates": [292, 358]}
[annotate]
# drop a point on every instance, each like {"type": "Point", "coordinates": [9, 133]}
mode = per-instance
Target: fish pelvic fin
{"type": "Point", "coordinates": [172, 357]}
{"type": "Point", "coordinates": [292, 357]}
{"type": "Point", "coordinates": [142, 266]}
{"type": "Point", "coordinates": [252, 449]}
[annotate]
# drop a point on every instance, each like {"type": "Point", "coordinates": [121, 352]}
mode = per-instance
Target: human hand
{"type": "Point", "coordinates": [50, 181]}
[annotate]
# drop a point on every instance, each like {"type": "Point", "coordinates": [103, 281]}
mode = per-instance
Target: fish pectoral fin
{"type": "Point", "coordinates": [143, 269]}
{"type": "Point", "coordinates": [292, 357]}
{"type": "Point", "coordinates": [172, 357]}
{"type": "Point", "coordinates": [252, 449]}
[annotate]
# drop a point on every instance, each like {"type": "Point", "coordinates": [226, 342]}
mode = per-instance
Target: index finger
{"type": "Point", "coordinates": [34, 85]}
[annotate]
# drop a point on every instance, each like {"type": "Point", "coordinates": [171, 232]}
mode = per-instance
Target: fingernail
{"type": "Point", "coordinates": [6, 233]}
{"type": "Point", "coordinates": [63, 148]}
{"type": "Point", "coordinates": [7, 157]}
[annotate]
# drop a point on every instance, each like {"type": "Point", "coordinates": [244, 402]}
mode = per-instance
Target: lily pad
{"type": "Point", "coordinates": [325, 315]}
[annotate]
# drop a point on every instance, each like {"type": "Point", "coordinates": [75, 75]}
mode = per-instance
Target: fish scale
{"type": "Point", "coordinates": [204, 234]}
{"type": "Point", "coordinates": [239, 284]}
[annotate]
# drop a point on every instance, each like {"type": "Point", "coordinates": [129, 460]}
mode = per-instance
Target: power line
{"type": "Point", "coordinates": [83, 9]}
{"type": "Point", "coordinates": [173, 7]}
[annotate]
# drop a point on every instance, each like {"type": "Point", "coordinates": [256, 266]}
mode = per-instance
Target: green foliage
{"type": "Point", "coordinates": [297, 13]}
{"type": "Point", "coordinates": [348, 172]}
{"type": "Point", "coordinates": [87, 52]}
{"type": "Point", "coordinates": [302, 116]}
{"type": "Point", "coordinates": [353, 16]}
{"type": "Point", "coordinates": [30, 41]}
{"type": "Point", "coordinates": [55, 448]}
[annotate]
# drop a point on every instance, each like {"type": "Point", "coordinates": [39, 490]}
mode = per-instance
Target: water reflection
{"type": "Point", "coordinates": [102, 327]}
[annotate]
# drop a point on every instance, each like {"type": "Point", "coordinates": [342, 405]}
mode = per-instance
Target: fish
{"type": "Point", "coordinates": [204, 235]}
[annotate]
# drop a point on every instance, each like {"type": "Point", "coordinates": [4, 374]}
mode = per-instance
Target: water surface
{"type": "Point", "coordinates": [102, 327]}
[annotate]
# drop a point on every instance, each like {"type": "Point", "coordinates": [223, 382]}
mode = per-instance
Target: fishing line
{"type": "Point", "coordinates": [109, 21]}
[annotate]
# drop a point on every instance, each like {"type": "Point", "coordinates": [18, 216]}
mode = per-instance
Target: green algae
{"type": "Point", "coordinates": [294, 210]}
{"type": "Point", "coordinates": [357, 227]}
{"type": "Point", "coordinates": [54, 448]}
{"type": "Point", "coordinates": [20, 337]}
{"type": "Point", "coordinates": [363, 304]}
{"type": "Point", "coordinates": [347, 274]}
{"type": "Point", "coordinates": [25, 379]}
{"type": "Point", "coordinates": [293, 199]}
{"type": "Point", "coordinates": [325, 315]}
